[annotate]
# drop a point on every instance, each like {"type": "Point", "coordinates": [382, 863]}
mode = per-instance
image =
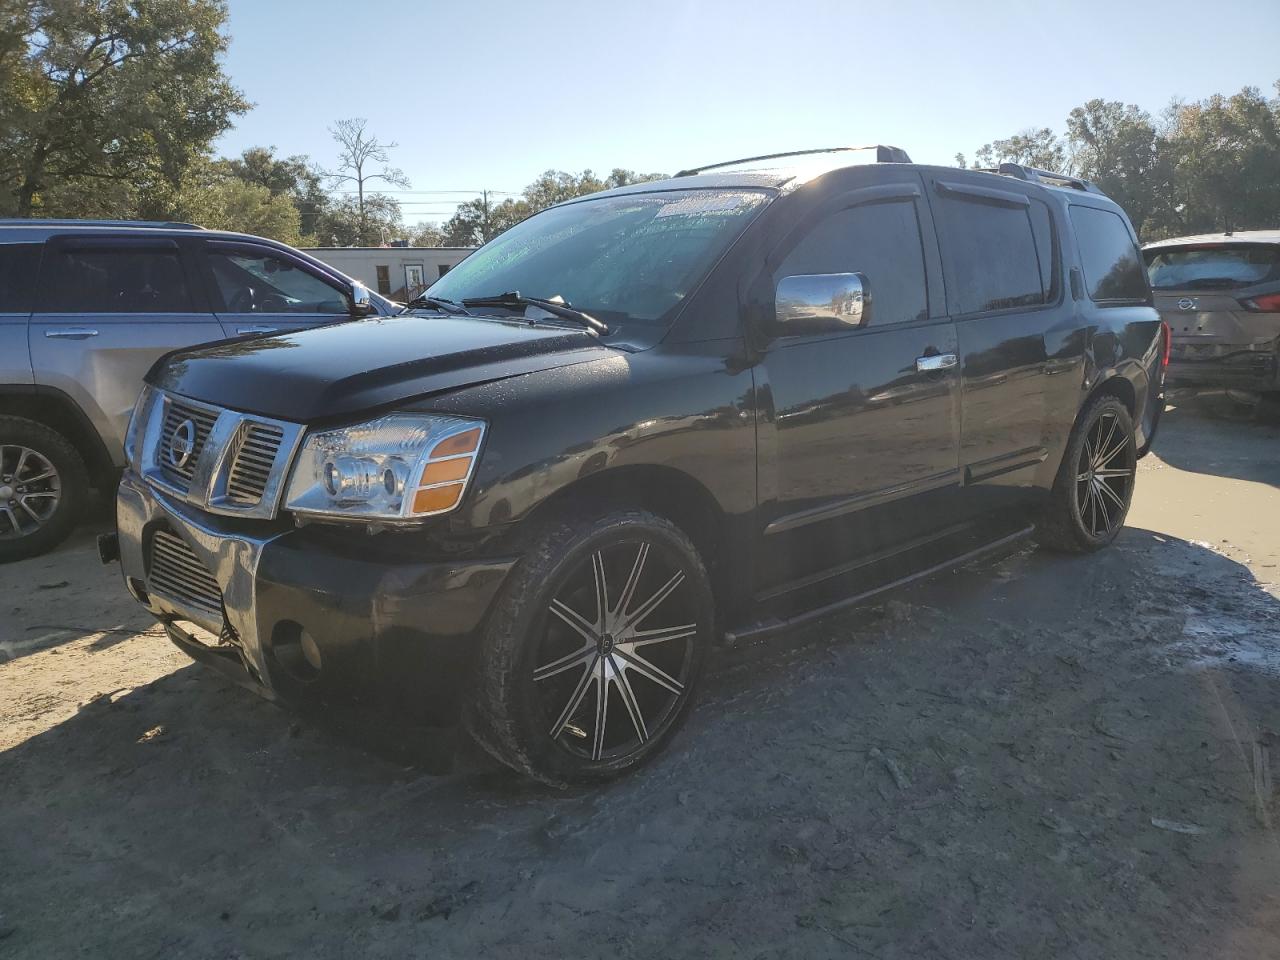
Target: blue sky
{"type": "Point", "coordinates": [489, 94]}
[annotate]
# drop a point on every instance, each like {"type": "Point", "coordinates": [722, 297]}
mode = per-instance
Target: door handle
{"type": "Point", "coordinates": [939, 361]}
{"type": "Point", "coordinates": [255, 329]}
{"type": "Point", "coordinates": [71, 333]}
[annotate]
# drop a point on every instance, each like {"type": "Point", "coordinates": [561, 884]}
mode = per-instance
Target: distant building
{"type": "Point", "coordinates": [400, 273]}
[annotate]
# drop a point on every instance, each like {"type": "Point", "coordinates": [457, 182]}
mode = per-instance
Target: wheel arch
{"type": "Point", "coordinates": [54, 409]}
{"type": "Point", "coordinates": [668, 492]}
{"type": "Point", "coordinates": [1117, 385]}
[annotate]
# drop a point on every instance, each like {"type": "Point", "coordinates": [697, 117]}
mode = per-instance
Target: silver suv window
{"type": "Point", "coordinates": [253, 282]}
{"type": "Point", "coordinates": [126, 279]}
{"type": "Point", "coordinates": [1212, 267]}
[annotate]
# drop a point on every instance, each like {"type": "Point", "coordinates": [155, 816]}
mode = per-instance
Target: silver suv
{"type": "Point", "coordinates": [86, 307]}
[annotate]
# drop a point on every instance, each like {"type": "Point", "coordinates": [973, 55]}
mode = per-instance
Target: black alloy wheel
{"type": "Point", "coordinates": [593, 667]}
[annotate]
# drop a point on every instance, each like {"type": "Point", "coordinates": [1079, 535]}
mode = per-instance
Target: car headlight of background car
{"type": "Point", "coordinates": [398, 467]}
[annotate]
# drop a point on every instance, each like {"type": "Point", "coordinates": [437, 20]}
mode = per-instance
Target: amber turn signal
{"type": "Point", "coordinates": [435, 499]}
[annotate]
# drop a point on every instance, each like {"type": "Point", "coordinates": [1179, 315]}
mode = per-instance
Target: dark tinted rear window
{"type": "Point", "coordinates": [115, 280]}
{"type": "Point", "coordinates": [1212, 267]}
{"type": "Point", "coordinates": [18, 263]}
{"type": "Point", "coordinates": [990, 255]}
{"type": "Point", "coordinates": [1112, 266]}
{"type": "Point", "coordinates": [880, 240]}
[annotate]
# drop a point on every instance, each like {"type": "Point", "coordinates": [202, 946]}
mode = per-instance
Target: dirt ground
{"type": "Point", "coordinates": [1035, 757]}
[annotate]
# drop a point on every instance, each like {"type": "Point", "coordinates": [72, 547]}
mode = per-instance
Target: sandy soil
{"type": "Point", "coordinates": [1037, 757]}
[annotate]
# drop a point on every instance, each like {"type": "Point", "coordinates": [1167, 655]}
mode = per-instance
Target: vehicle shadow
{"type": "Point", "coordinates": [1206, 433]}
{"type": "Point", "coordinates": [1025, 757]}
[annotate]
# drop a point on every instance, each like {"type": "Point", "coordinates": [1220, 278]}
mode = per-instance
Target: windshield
{"type": "Point", "coordinates": [1220, 267]}
{"type": "Point", "coordinates": [627, 259]}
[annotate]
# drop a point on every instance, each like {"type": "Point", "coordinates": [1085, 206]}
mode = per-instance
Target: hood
{"type": "Point", "coordinates": [350, 367]}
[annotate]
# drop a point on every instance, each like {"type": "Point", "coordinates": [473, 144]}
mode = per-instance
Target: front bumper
{"type": "Point", "coordinates": [1243, 368]}
{"type": "Point", "coordinates": [385, 629]}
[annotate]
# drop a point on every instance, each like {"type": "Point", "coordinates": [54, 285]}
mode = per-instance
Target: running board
{"type": "Point", "coordinates": [774, 625]}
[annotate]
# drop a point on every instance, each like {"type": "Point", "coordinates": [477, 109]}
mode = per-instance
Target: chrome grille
{"type": "Point", "coordinates": [175, 415]}
{"type": "Point", "coordinates": [177, 574]}
{"type": "Point", "coordinates": [253, 458]}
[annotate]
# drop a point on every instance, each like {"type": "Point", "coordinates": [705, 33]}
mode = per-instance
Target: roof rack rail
{"type": "Point", "coordinates": [69, 222]}
{"type": "Point", "coordinates": [1036, 175]}
{"type": "Point", "coordinates": [884, 154]}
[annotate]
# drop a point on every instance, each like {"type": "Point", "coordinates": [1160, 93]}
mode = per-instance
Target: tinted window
{"type": "Point", "coordinates": [18, 262]}
{"type": "Point", "coordinates": [115, 280]}
{"type": "Point", "coordinates": [1215, 267]}
{"type": "Point", "coordinates": [1112, 267]}
{"type": "Point", "coordinates": [262, 283]}
{"type": "Point", "coordinates": [990, 255]}
{"type": "Point", "coordinates": [880, 240]}
{"type": "Point", "coordinates": [1046, 248]}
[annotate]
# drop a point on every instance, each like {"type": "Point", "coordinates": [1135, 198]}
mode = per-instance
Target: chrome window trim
{"type": "Point", "coordinates": [208, 490]}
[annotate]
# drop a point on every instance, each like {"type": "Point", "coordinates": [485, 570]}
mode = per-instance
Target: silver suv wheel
{"type": "Point", "coordinates": [30, 491]}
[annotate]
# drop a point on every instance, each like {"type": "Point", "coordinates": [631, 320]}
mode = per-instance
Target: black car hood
{"type": "Point", "coordinates": [365, 364]}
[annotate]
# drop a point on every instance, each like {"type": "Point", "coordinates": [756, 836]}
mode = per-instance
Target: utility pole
{"type": "Point", "coordinates": [484, 224]}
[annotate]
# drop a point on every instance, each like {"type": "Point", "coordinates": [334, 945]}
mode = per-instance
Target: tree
{"type": "Point", "coordinates": [229, 203]}
{"type": "Point", "coordinates": [361, 159]}
{"type": "Point", "coordinates": [479, 221]}
{"type": "Point", "coordinates": [427, 235]}
{"type": "Point", "coordinates": [344, 224]}
{"type": "Point", "coordinates": [1031, 148]}
{"type": "Point", "coordinates": [1223, 160]}
{"type": "Point", "coordinates": [290, 177]}
{"type": "Point", "coordinates": [122, 95]}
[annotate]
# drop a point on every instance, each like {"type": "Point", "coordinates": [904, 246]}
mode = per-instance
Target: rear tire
{"type": "Point", "coordinates": [43, 488]}
{"type": "Point", "coordinates": [1094, 486]}
{"type": "Point", "coordinates": [570, 689]}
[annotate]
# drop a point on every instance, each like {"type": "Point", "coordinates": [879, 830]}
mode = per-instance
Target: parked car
{"type": "Point", "coordinates": [720, 404]}
{"type": "Point", "coordinates": [1220, 294]}
{"type": "Point", "coordinates": [86, 307]}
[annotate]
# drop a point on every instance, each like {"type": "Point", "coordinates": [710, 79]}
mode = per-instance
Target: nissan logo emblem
{"type": "Point", "coordinates": [1188, 303]}
{"type": "Point", "coordinates": [182, 444]}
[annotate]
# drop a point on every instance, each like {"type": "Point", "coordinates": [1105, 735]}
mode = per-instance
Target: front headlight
{"type": "Point", "coordinates": [137, 429]}
{"type": "Point", "coordinates": [399, 467]}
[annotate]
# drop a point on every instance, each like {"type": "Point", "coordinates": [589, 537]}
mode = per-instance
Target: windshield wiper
{"type": "Point", "coordinates": [440, 303]}
{"type": "Point", "coordinates": [557, 308]}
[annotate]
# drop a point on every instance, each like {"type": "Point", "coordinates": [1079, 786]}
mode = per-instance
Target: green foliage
{"type": "Point", "coordinates": [122, 95]}
{"type": "Point", "coordinates": [1032, 148]}
{"type": "Point", "coordinates": [1209, 165]}
{"type": "Point", "coordinates": [342, 223]}
{"type": "Point", "coordinates": [479, 221]}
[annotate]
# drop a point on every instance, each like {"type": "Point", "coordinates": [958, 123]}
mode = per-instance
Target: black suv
{"type": "Point", "coordinates": [723, 403]}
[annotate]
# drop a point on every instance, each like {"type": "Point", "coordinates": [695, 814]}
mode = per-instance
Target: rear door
{"type": "Point", "coordinates": [1018, 337]}
{"type": "Point", "coordinates": [258, 289]}
{"type": "Point", "coordinates": [107, 308]}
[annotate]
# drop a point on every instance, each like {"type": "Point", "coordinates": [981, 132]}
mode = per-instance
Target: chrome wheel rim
{"type": "Point", "coordinates": [30, 491]}
{"type": "Point", "coordinates": [616, 654]}
{"type": "Point", "coordinates": [1104, 476]}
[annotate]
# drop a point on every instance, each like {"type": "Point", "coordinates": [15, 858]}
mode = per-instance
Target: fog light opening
{"type": "Point", "coordinates": [296, 652]}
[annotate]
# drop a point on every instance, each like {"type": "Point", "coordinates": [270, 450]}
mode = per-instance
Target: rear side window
{"type": "Point", "coordinates": [990, 257]}
{"type": "Point", "coordinates": [18, 263]}
{"type": "Point", "coordinates": [1212, 267]}
{"type": "Point", "coordinates": [115, 280]}
{"type": "Point", "coordinates": [1112, 266]}
{"type": "Point", "coordinates": [880, 240]}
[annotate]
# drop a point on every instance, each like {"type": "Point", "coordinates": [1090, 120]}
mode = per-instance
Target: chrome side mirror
{"type": "Point", "coordinates": [818, 302]}
{"type": "Point", "coordinates": [361, 305]}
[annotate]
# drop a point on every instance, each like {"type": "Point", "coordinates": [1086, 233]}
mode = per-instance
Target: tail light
{"type": "Point", "coordinates": [1267, 303]}
{"type": "Point", "coordinates": [1167, 334]}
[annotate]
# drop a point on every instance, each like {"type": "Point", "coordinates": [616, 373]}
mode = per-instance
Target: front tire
{"type": "Point", "coordinates": [43, 488]}
{"type": "Point", "coordinates": [1094, 486]}
{"type": "Point", "coordinates": [590, 659]}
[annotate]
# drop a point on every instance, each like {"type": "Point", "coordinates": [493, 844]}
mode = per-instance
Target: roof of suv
{"type": "Point", "coordinates": [1200, 239]}
{"type": "Point", "coordinates": [791, 170]}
